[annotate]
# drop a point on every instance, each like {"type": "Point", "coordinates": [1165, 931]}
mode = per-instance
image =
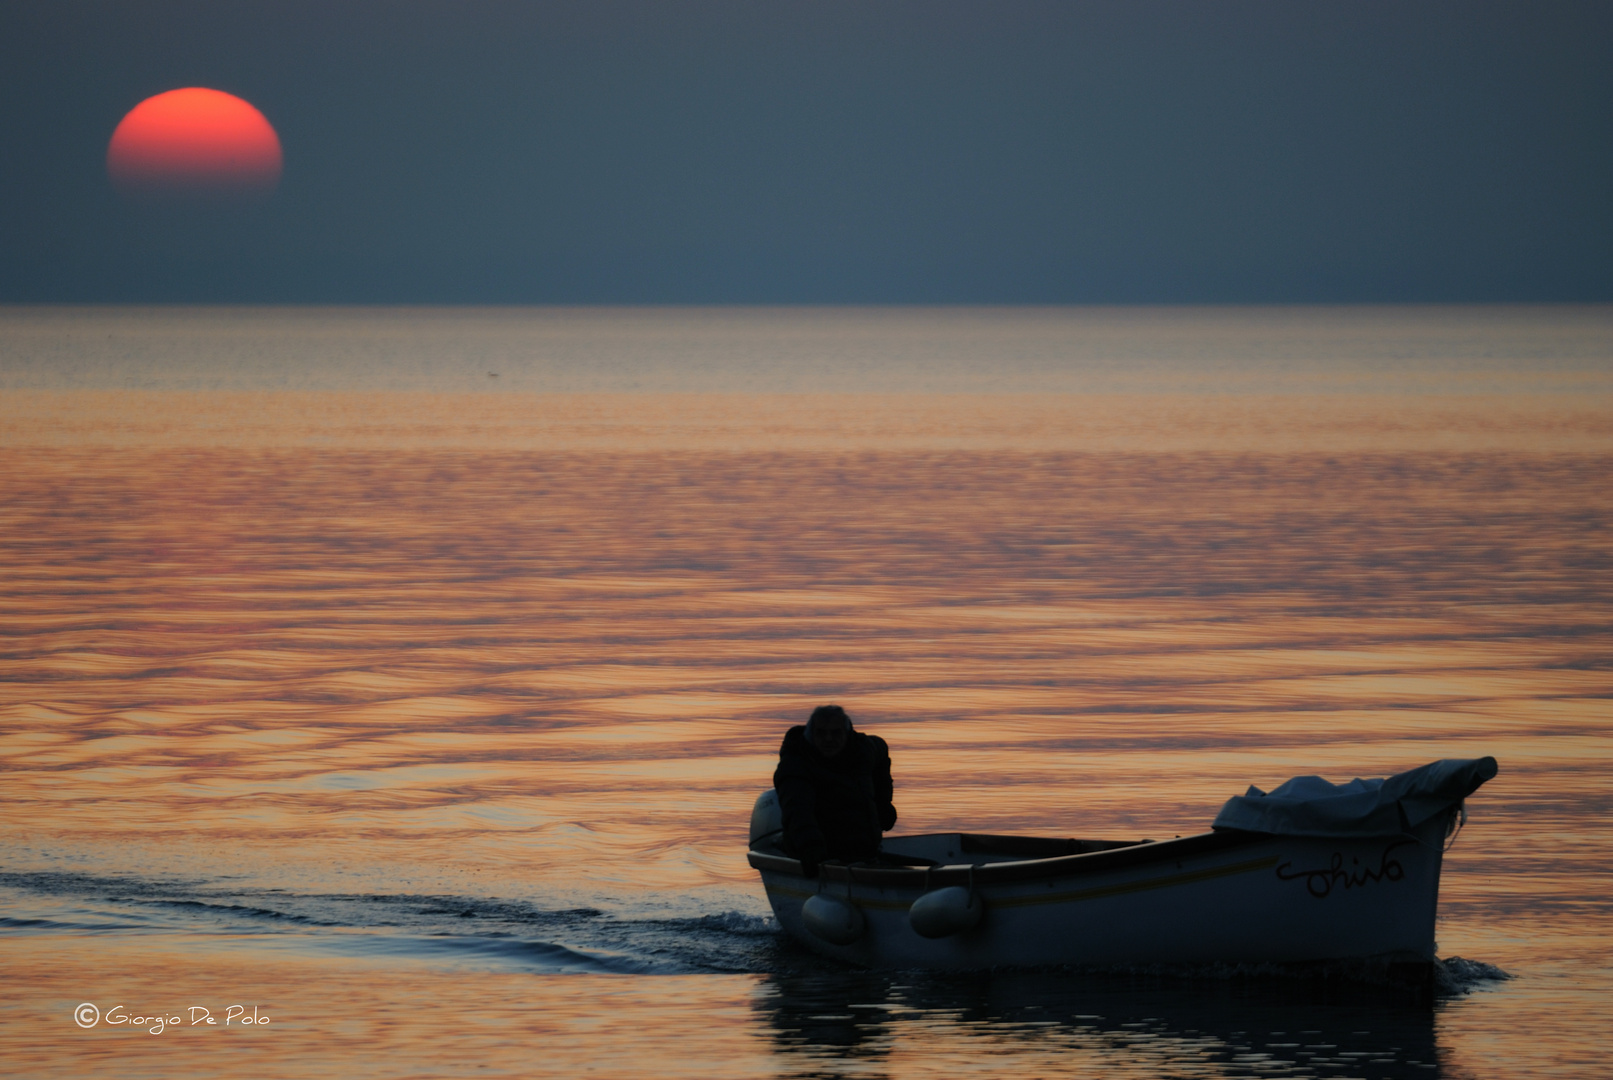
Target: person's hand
{"type": "Point", "coordinates": [813, 852]}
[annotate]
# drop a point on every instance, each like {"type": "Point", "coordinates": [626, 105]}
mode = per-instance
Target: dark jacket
{"type": "Point", "coordinates": [834, 808]}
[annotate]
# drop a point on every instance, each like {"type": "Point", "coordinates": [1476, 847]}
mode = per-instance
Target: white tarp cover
{"type": "Point", "coordinates": [1310, 806]}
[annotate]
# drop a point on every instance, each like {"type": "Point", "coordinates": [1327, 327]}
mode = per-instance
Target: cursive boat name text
{"type": "Point", "coordinates": [1319, 883]}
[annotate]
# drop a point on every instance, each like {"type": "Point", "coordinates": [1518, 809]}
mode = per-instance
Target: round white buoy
{"type": "Point", "coordinates": [833, 919]}
{"type": "Point", "coordinates": [944, 912]}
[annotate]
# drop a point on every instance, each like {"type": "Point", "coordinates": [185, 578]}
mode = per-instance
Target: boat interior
{"type": "Point", "coordinates": [946, 849]}
{"type": "Point", "coordinates": [943, 859]}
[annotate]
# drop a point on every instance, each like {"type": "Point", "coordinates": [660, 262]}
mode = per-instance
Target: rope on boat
{"type": "Point", "coordinates": [1460, 819]}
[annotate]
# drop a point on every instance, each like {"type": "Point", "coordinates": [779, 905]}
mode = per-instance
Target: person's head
{"type": "Point", "coordinates": [828, 729]}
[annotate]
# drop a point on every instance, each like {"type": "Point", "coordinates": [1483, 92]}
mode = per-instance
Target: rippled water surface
{"type": "Point", "coordinates": [408, 676]}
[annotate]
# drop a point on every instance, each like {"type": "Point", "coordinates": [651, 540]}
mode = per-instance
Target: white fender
{"type": "Point", "coordinates": [943, 912]}
{"type": "Point", "coordinates": [766, 819]}
{"type": "Point", "coordinates": [833, 919]}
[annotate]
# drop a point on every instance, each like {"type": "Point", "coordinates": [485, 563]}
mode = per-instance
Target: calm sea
{"type": "Point", "coordinates": [405, 677]}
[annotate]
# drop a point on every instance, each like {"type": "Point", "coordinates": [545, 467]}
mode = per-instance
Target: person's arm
{"type": "Point", "coordinates": [884, 786]}
{"type": "Point", "coordinates": [798, 805]}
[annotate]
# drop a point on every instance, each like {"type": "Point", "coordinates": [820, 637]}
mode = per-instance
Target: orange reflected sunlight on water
{"type": "Point", "coordinates": [514, 666]}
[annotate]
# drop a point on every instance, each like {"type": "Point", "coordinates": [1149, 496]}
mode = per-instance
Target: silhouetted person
{"type": "Point", "coordinates": [834, 789]}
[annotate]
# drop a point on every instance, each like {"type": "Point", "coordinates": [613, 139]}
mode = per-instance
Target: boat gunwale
{"type": "Point", "coordinates": [1143, 853]}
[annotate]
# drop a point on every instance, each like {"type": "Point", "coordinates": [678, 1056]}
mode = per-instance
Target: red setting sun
{"type": "Point", "coordinates": [194, 141]}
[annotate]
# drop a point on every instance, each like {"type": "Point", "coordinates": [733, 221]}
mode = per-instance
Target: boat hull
{"type": "Point", "coordinates": [1216, 898]}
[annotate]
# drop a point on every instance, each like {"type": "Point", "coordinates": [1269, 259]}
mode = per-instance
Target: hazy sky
{"type": "Point", "coordinates": [859, 152]}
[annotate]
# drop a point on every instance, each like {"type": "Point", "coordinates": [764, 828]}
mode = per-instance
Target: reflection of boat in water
{"type": "Point", "coordinates": [1309, 872]}
{"type": "Point", "coordinates": [1123, 1027]}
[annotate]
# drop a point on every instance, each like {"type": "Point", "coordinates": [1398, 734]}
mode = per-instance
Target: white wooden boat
{"type": "Point", "coordinates": [1347, 872]}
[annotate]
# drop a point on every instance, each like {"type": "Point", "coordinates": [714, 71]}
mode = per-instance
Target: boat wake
{"type": "Point", "coordinates": [640, 937]}
{"type": "Point", "coordinates": [1456, 975]}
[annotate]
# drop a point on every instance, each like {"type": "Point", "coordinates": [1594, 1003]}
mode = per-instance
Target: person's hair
{"type": "Point", "coordinates": [828, 712]}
